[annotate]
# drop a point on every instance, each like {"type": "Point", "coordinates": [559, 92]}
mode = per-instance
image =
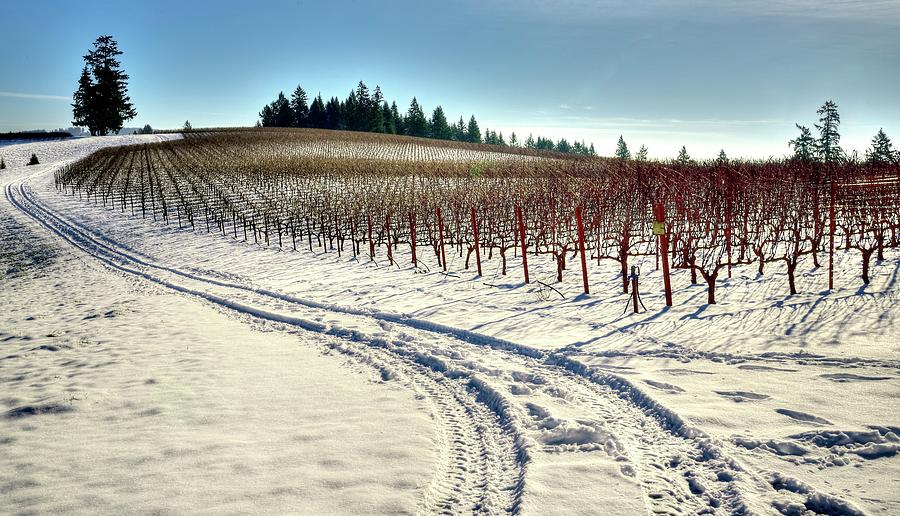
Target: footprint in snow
{"type": "Point", "coordinates": [850, 377]}
{"type": "Point", "coordinates": [803, 416]}
{"type": "Point", "coordinates": [668, 387]}
{"type": "Point", "coordinates": [741, 396]}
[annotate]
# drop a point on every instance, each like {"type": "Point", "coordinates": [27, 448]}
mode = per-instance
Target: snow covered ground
{"type": "Point", "coordinates": [431, 391]}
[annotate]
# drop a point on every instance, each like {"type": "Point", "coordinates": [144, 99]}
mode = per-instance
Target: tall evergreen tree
{"type": "Point", "coordinates": [317, 114]}
{"type": "Point", "coordinates": [388, 118]}
{"type": "Point", "coordinates": [591, 151]}
{"type": "Point", "coordinates": [397, 119]}
{"type": "Point", "coordinates": [284, 116]}
{"type": "Point", "coordinates": [683, 157]}
{"type": "Point", "coordinates": [622, 149]}
{"type": "Point", "coordinates": [416, 124]}
{"type": "Point", "coordinates": [299, 108]}
{"type": "Point", "coordinates": [722, 158]}
{"type": "Point", "coordinates": [513, 141]}
{"type": "Point", "coordinates": [459, 130]}
{"type": "Point", "coordinates": [334, 114]}
{"type": "Point", "coordinates": [101, 102]}
{"type": "Point", "coordinates": [376, 115]}
{"type": "Point", "coordinates": [882, 150]}
{"type": "Point", "coordinates": [641, 154]}
{"type": "Point", "coordinates": [804, 145]}
{"type": "Point", "coordinates": [440, 130]}
{"type": "Point", "coordinates": [829, 144]}
{"type": "Point", "coordinates": [267, 116]}
{"type": "Point", "coordinates": [473, 133]}
{"type": "Point", "coordinates": [563, 145]}
{"type": "Point", "coordinates": [529, 142]}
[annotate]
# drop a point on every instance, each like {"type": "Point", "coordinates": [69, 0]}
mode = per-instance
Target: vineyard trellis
{"type": "Point", "coordinates": [371, 194]}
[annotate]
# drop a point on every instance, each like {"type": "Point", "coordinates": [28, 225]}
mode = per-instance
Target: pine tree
{"type": "Point", "coordinates": [101, 102]}
{"type": "Point", "coordinates": [187, 125]}
{"type": "Point", "coordinates": [439, 129]}
{"type": "Point", "coordinates": [804, 145]}
{"type": "Point", "coordinates": [829, 139]}
{"type": "Point", "coordinates": [317, 114]}
{"type": "Point", "coordinates": [683, 157]}
{"type": "Point", "coordinates": [284, 116]}
{"type": "Point", "coordinates": [459, 130]}
{"type": "Point", "coordinates": [641, 154]}
{"type": "Point", "coordinates": [722, 159]}
{"type": "Point", "coordinates": [146, 129]}
{"type": "Point", "coordinates": [563, 146]}
{"type": "Point", "coordinates": [416, 124]}
{"type": "Point", "coordinates": [473, 133]}
{"type": "Point", "coordinates": [882, 151]}
{"type": "Point", "coordinates": [622, 149]}
{"type": "Point", "coordinates": [529, 142]}
{"type": "Point", "coordinates": [333, 114]}
{"type": "Point", "coordinates": [591, 151]}
{"type": "Point", "coordinates": [388, 118]}
{"type": "Point", "coordinates": [376, 116]}
{"type": "Point", "coordinates": [513, 141]}
{"type": "Point", "coordinates": [397, 119]}
{"type": "Point", "coordinates": [500, 140]}
{"type": "Point", "coordinates": [299, 108]}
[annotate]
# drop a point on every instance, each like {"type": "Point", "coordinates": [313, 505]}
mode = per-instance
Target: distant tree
{"type": "Point", "coordinates": [416, 124]}
{"type": "Point", "coordinates": [829, 139]}
{"type": "Point", "coordinates": [267, 116]}
{"type": "Point", "coordinates": [683, 157]}
{"type": "Point", "coordinates": [529, 142]}
{"type": "Point", "coordinates": [299, 108]}
{"type": "Point", "coordinates": [473, 133]}
{"type": "Point", "coordinates": [439, 129]}
{"type": "Point", "coordinates": [513, 141]}
{"type": "Point", "coordinates": [376, 115]}
{"type": "Point", "coordinates": [882, 150]}
{"type": "Point", "coordinates": [187, 125]}
{"type": "Point", "coordinates": [2, 164]}
{"type": "Point", "coordinates": [563, 146]}
{"type": "Point", "coordinates": [622, 149]}
{"type": "Point", "coordinates": [333, 114]}
{"type": "Point", "coordinates": [500, 140]}
{"type": "Point", "coordinates": [591, 151]}
{"type": "Point", "coordinates": [33, 160]}
{"type": "Point", "coordinates": [641, 154]}
{"type": "Point", "coordinates": [101, 101]}
{"type": "Point", "coordinates": [388, 117]}
{"type": "Point", "coordinates": [804, 145]}
{"type": "Point", "coordinates": [146, 129]}
{"type": "Point", "coordinates": [458, 130]}
{"type": "Point", "coordinates": [397, 119]}
{"type": "Point", "coordinates": [722, 159]}
{"type": "Point", "coordinates": [317, 113]}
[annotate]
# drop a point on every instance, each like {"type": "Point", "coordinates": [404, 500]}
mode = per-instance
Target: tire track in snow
{"type": "Point", "coordinates": [481, 457]}
{"type": "Point", "coordinates": [678, 467]}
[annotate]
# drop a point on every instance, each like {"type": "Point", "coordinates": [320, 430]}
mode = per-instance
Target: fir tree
{"type": "Point", "coordinates": [591, 151]}
{"type": "Point", "coordinates": [563, 146]}
{"type": "Point", "coordinates": [804, 145]}
{"type": "Point", "coordinates": [622, 149]}
{"type": "Point", "coordinates": [299, 108]}
{"type": "Point", "coordinates": [376, 115]}
{"type": "Point", "coordinates": [333, 114]}
{"type": "Point", "coordinates": [317, 114]}
{"type": "Point", "coordinates": [473, 133]}
{"type": "Point", "coordinates": [187, 125]}
{"type": "Point", "coordinates": [439, 128]}
{"type": "Point", "coordinates": [641, 154]}
{"type": "Point", "coordinates": [829, 139]}
{"type": "Point", "coordinates": [882, 151]}
{"type": "Point", "coordinates": [416, 124]}
{"type": "Point", "coordinates": [529, 142]}
{"type": "Point", "coordinates": [101, 102]}
{"type": "Point", "coordinates": [513, 141]}
{"type": "Point", "coordinates": [388, 117]}
{"type": "Point", "coordinates": [284, 116]}
{"type": "Point", "coordinates": [459, 130]}
{"type": "Point", "coordinates": [500, 140]}
{"type": "Point", "coordinates": [683, 157]}
{"type": "Point", "coordinates": [397, 119]}
{"type": "Point", "coordinates": [146, 129]}
{"type": "Point", "coordinates": [722, 159]}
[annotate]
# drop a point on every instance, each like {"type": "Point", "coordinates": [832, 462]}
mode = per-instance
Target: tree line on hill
{"type": "Point", "coordinates": [367, 111]}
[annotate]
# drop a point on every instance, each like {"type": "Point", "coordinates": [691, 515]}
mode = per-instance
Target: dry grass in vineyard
{"type": "Point", "coordinates": [371, 194]}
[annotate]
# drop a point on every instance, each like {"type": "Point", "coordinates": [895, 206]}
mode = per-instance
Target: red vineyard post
{"type": "Point", "coordinates": [387, 230]}
{"type": "Point", "coordinates": [831, 228]}
{"type": "Point", "coordinates": [371, 242]}
{"type": "Point", "coordinates": [580, 223]}
{"type": "Point", "coordinates": [475, 233]}
{"type": "Point", "coordinates": [440, 221]}
{"type": "Point", "coordinates": [412, 236]}
{"type": "Point", "coordinates": [524, 245]}
{"type": "Point", "coordinates": [659, 211]}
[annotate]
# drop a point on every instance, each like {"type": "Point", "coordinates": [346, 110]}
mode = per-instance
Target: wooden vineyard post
{"type": "Point", "coordinates": [524, 245]}
{"type": "Point", "coordinates": [831, 227]}
{"type": "Point", "coordinates": [371, 242]}
{"type": "Point", "coordinates": [412, 236]}
{"type": "Point", "coordinates": [728, 203]}
{"type": "Point", "coordinates": [580, 224]}
{"type": "Point", "coordinates": [440, 221]}
{"type": "Point", "coordinates": [475, 233]}
{"type": "Point", "coordinates": [659, 229]}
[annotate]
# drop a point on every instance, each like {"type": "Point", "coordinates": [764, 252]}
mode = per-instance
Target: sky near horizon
{"type": "Point", "coordinates": [707, 74]}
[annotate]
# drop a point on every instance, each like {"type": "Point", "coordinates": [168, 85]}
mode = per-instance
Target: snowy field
{"type": "Point", "coordinates": [146, 368]}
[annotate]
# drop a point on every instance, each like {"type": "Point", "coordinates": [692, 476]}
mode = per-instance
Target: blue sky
{"type": "Point", "coordinates": [707, 74]}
